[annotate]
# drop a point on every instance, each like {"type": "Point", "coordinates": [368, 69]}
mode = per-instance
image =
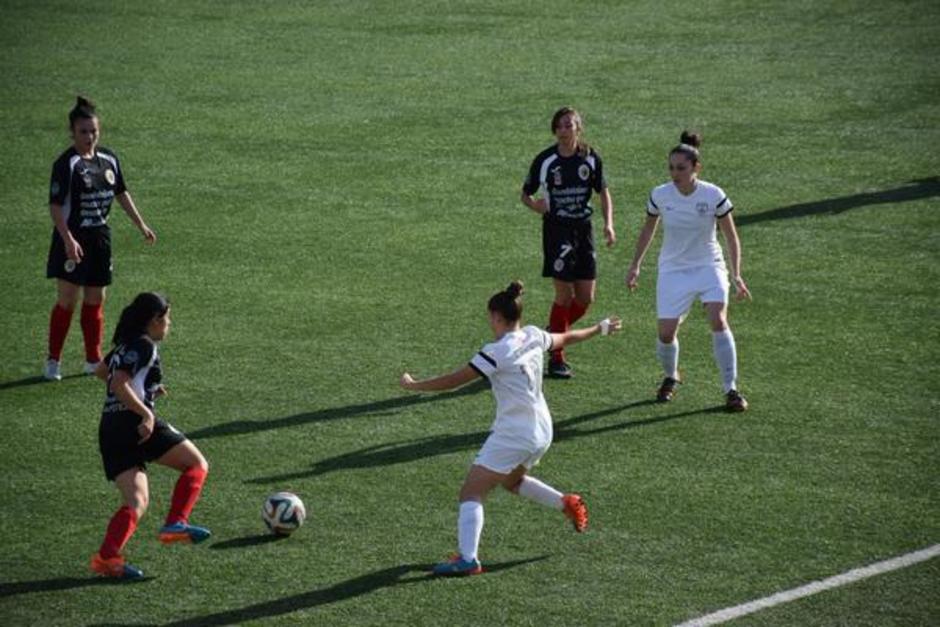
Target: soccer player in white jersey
{"type": "Point", "coordinates": [86, 178]}
{"type": "Point", "coordinates": [522, 431]}
{"type": "Point", "coordinates": [691, 265]}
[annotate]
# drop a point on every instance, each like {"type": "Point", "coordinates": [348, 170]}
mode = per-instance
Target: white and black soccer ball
{"type": "Point", "coordinates": [283, 513]}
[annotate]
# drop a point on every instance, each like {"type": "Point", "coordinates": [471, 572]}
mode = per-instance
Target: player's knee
{"type": "Point", "coordinates": [139, 503]}
{"type": "Point", "coordinates": [513, 485]}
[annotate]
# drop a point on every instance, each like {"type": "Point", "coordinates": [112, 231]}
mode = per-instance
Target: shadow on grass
{"type": "Point", "coordinates": [64, 583]}
{"type": "Point", "coordinates": [365, 584]}
{"type": "Point", "coordinates": [6, 385]}
{"type": "Point", "coordinates": [913, 190]}
{"type": "Point", "coordinates": [239, 427]}
{"type": "Point", "coordinates": [246, 541]}
{"type": "Point", "coordinates": [407, 451]}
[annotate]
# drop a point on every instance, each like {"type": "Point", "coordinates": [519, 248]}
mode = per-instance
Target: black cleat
{"type": "Point", "coordinates": [559, 370]}
{"type": "Point", "coordinates": [667, 390]}
{"type": "Point", "coordinates": [735, 402]}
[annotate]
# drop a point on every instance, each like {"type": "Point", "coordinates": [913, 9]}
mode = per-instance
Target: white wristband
{"type": "Point", "coordinates": [605, 326]}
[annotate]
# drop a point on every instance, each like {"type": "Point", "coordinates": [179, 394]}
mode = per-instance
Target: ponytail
{"type": "Point", "coordinates": [83, 109]}
{"type": "Point", "coordinates": [689, 143]}
{"type": "Point", "coordinates": [508, 303]}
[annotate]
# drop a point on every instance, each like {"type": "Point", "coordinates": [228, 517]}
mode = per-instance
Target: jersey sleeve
{"type": "Point", "coordinates": [132, 357]}
{"type": "Point", "coordinates": [119, 186]}
{"type": "Point", "coordinates": [59, 183]}
{"type": "Point", "coordinates": [484, 364]}
{"type": "Point", "coordinates": [600, 181]}
{"type": "Point", "coordinates": [723, 204]}
{"type": "Point", "coordinates": [532, 182]}
{"type": "Point", "coordinates": [652, 207]}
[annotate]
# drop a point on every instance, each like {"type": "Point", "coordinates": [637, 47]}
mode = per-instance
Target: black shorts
{"type": "Point", "coordinates": [117, 440]}
{"type": "Point", "coordinates": [95, 267]}
{"type": "Point", "coordinates": [568, 249]}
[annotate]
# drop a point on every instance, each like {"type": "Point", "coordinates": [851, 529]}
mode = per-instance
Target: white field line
{"type": "Point", "coordinates": [851, 576]}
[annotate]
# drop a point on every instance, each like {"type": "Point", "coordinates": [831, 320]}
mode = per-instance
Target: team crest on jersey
{"type": "Point", "coordinates": [584, 171]}
{"type": "Point", "coordinates": [702, 208]}
{"type": "Point", "coordinates": [109, 176]}
{"type": "Point", "coordinates": [556, 173]}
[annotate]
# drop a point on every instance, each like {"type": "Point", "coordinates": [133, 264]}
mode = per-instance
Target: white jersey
{"type": "Point", "coordinates": [689, 225]}
{"type": "Point", "coordinates": [513, 365]}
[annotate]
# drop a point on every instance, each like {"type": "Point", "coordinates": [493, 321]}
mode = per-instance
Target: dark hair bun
{"type": "Point", "coordinates": [515, 289]}
{"type": "Point", "coordinates": [82, 101]}
{"type": "Point", "coordinates": [691, 139]}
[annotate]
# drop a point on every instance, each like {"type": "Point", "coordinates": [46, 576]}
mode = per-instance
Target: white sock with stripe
{"type": "Point", "coordinates": [542, 493]}
{"type": "Point", "coordinates": [669, 357]}
{"type": "Point", "coordinates": [469, 529]}
{"type": "Point", "coordinates": [726, 357]}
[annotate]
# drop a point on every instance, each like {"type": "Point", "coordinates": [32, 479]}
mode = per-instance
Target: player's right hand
{"type": "Point", "coordinates": [73, 250]}
{"type": "Point", "coordinates": [633, 278]}
{"type": "Point", "coordinates": [145, 428]}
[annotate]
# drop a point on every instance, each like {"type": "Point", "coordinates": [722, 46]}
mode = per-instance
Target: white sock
{"type": "Point", "coordinates": [726, 357]}
{"type": "Point", "coordinates": [469, 528]}
{"type": "Point", "coordinates": [669, 357]}
{"type": "Point", "coordinates": [543, 494]}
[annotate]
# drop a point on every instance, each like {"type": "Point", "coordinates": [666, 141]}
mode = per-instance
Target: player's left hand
{"type": "Point", "coordinates": [406, 381]}
{"type": "Point", "coordinates": [610, 236]}
{"type": "Point", "coordinates": [160, 391]}
{"type": "Point", "coordinates": [740, 289]}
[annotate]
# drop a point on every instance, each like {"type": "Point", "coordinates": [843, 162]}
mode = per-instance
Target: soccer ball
{"type": "Point", "coordinates": [283, 513]}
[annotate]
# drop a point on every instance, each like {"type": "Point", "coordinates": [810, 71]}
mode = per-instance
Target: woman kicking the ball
{"type": "Point", "coordinates": [522, 431]}
{"type": "Point", "coordinates": [130, 435]}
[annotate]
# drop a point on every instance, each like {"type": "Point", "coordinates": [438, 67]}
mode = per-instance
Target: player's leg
{"type": "Point", "coordinates": [132, 484]}
{"type": "Point", "coordinates": [60, 319]}
{"type": "Point", "coordinates": [476, 486]}
{"type": "Point", "coordinates": [725, 352]}
{"type": "Point", "coordinates": [559, 322]}
{"type": "Point", "coordinates": [92, 320]}
{"type": "Point", "coordinates": [535, 490]}
{"type": "Point", "coordinates": [583, 298]}
{"type": "Point", "coordinates": [193, 467]}
{"type": "Point", "coordinates": [667, 351]}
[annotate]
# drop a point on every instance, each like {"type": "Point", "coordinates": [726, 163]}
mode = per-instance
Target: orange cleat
{"type": "Point", "coordinates": [576, 510]}
{"type": "Point", "coordinates": [114, 567]}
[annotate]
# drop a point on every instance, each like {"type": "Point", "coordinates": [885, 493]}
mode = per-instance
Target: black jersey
{"type": "Point", "coordinates": [139, 359]}
{"type": "Point", "coordinates": [567, 182]}
{"type": "Point", "coordinates": [85, 188]}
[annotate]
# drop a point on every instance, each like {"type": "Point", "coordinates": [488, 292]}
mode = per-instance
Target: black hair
{"type": "Point", "coordinates": [689, 143]}
{"type": "Point", "coordinates": [136, 316]}
{"type": "Point", "coordinates": [582, 148]}
{"type": "Point", "coordinates": [84, 109]}
{"type": "Point", "coordinates": [508, 303]}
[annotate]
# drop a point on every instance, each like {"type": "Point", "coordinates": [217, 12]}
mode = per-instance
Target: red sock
{"type": "Point", "coordinates": [558, 323]}
{"type": "Point", "coordinates": [576, 311]}
{"type": "Point", "coordinates": [92, 330]}
{"type": "Point", "coordinates": [185, 494]}
{"type": "Point", "coordinates": [59, 321]}
{"type": "Point", "coordinates": [120, 529]}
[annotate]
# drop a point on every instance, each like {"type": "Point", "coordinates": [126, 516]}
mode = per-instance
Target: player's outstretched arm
{"type": "Point", "coordinates": [439, 384]}
{"type": "Point", "coordinates": [604, 327]}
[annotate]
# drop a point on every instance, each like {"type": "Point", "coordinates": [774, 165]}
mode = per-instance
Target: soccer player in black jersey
{"type": "Point", "coordinates": [568, 172]}
{"type": "Point", "coordinates": [130, 435]}
{"type": "Point", "coordinates": [86, 178]}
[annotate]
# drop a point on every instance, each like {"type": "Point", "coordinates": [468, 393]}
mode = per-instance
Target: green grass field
{"type": "Point", "coordinates": [334, 187]}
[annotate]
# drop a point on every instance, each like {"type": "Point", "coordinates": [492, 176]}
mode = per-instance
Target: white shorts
{"type": "Point", "coordinates": [502, 455]}
{"type": "Point", "coordinates": [678, 289]}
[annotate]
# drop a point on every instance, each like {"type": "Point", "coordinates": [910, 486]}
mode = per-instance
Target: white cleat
{"type": "Point", "coordinates": [52, 372]}
{"type": "Point", "coordinates": [90, 367]}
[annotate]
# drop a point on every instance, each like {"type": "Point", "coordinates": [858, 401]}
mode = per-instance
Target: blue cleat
{"type": "Point", "coordinates": [457, 566]}
{"type": "Point", "coordinates": [183, 532]}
